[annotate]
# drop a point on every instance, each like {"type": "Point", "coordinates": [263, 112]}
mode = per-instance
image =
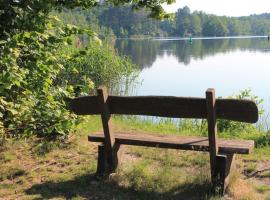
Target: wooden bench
{"type": "Point", "coordinates": [221, 151]}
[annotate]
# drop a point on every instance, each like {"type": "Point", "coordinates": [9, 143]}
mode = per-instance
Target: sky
{"type": "Point", "coordinates": [223, 7]}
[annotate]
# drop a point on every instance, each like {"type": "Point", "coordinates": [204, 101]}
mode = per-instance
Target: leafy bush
{"type": "Point", "coordinates": [31, 102]}
{"type": "Point", "coordinates": [98, 64]}
{"type": "Point", "coordinates": [40, 71]}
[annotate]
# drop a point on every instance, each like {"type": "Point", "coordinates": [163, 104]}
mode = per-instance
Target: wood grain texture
{"type": "Point", "coordinates": [230, 164]}
{"type": "Point", "coordinates": [226, 146]}
{"type": "Point", "coordinates": [101, 162]}
{"type": "Point", "coordinates": [212, 128]}
{"type": "Point", "coordinates": [168, 106]}
{"type": "Point", "coordinates": [87, 105]}
{"type": "Point", "coordinates": [105, 117]}
{"type": "Point", "coordinates": [219, 175]}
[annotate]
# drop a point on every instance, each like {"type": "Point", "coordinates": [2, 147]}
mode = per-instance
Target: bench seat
{"type": "Point", "coordinates": [226, 146]}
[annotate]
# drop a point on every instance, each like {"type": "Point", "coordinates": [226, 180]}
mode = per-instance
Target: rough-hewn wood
{"type": "Point", "coordinates": [238, 110]}
{"type": "Point", "coordinates": [87, 105]}
{"type": "Point", "coordinates": [177, 107]}
{"type": "Point", "coordinates": [161, 106]}
{"type": "Point", "coordinates": [229, 166]}
{"type": "Point", "coordinates": [212, 128]}
{"type": "Point", "coordinates": [105, 117]}
{"type": "Point", "coordinates": [102, 166]}
{"type": "Point", "coordinates": [219, 175]}
{"type": "Point", "coordinates": [226, 146]}
{"type": "Point", "coordinates": [222, 173]}
{"type": "Point", "coordinates": [117, 153]}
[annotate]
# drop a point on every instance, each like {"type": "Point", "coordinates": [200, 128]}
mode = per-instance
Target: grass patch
{"type": "Point", "coordinates": [262, 188]}
{"type": "Point", "coordinates": [250, 167]}
{"type": "Point", "coordinates": [65, 170]}
{"type": "Point", "coordinates": [157, 125]}
{"type": "Point", "coordinates": [6, 157]}
{"type": "Point", "coordinates": [183, 127]}
{"type": "Point", "coordinates": [265, 174]}
{"type": "Point", "coordinates": [11, 173]}
{"type": "Point", "coordinates": [259, 154]}
{"type": "Point", "coordinates": [164, 181]}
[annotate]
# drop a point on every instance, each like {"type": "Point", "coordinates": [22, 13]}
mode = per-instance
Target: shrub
{"type": "Point", "coordinates": [41, 71]}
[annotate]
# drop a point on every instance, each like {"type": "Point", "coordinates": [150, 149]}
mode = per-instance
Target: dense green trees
{"type": "Point", "coordinates": [43, 63]}
{"type": "Point", "coordinates": [214, 27]}
{"type": "Point", "coordinates": [125, 23]}
{"type": "Point", "coordinates": [183, 22]}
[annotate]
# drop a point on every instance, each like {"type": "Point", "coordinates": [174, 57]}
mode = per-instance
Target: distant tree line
{"type": "Point", "coordinates": [124, 22]}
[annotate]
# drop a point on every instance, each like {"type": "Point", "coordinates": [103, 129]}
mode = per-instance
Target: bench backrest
{"type": "Point", "coordinates": [168, 106]}
{"type": "Point", "coordinates": [208, 108]}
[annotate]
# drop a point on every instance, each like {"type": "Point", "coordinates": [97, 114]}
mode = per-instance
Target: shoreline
{"type": "Point", "coordinates": [193, 38]}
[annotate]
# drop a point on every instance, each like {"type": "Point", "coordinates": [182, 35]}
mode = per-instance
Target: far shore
{"type": "Point", "coordinates": [193, 38]}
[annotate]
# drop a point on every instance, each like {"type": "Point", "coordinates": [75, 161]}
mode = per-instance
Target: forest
{"type": "Point", "coordinates": [125, 22]}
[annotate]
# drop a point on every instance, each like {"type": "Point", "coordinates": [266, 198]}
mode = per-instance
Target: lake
{"type": "Point", "coordinates": [179, 67]}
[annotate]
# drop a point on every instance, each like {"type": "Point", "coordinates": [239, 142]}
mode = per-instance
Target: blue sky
{"type": "Point", "coordinates": [223, 7]}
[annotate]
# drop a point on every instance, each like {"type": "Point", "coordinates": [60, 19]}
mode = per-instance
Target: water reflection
{"type": "Point", "coordinates": [145, 52]}
{"type": "Point", "coordinates": [177, 67]}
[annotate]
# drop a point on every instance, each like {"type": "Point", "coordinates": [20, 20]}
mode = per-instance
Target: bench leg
{"type": "Point", "coordinates": [117, 151]}
{"type": "Point", "coordinates": [221, 174]}
{"type": "Point", "coordinates": [101, 162]}
{"type": "Point", "coordinates": [105, 166]}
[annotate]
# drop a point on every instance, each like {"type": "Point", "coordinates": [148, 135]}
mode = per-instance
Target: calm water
{"type": "Point", "coordinates": [177, 67]}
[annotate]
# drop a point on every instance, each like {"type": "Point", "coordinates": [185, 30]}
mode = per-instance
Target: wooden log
{"type": "Point", "coordinates": [87, 105]}
{"type": "Point", "coordinates": [161, 106]}
{"type": "Point", "coordinates": [212, 128]}
{"type": "Point", "coordinates": [241, 110]}
{"type": "Point", "coordinates": [222, 173]}
{"type": "Point", "coordinates": [102, 166]}
{"type": "Point", "coordinates": [105, 117]}
{"type": "Point", "coordinates": [218, 178]}
{"type": "Point", "coordinates": [168, 106]}
{"type": "Point", "coordinates": [117, 153]}
{"type": "Point", "coordinates": [229, 166]}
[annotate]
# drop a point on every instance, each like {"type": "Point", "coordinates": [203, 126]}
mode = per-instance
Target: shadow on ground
{"type": "Point", "coordinates": [86, 186]}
